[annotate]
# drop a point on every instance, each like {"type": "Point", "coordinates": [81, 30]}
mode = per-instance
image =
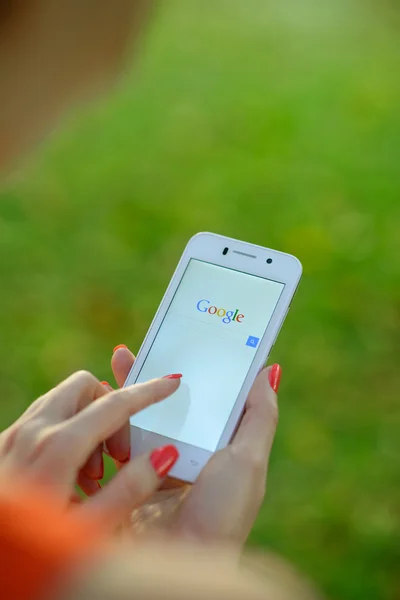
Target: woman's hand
{"type": "Point", "coordinates": [59, 440]}
{"type": "Point", "coordinates": [224, 502]}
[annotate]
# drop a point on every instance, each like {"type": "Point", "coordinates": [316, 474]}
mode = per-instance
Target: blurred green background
{"type": "Point", "coordinates": [273, 122]}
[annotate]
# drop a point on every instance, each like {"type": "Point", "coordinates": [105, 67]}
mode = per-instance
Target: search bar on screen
{"type": "Point", "coordinates": [232, 332]}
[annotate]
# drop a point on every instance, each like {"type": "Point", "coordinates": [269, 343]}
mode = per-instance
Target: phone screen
{"type": "Point", "coordinates": [210, 334]}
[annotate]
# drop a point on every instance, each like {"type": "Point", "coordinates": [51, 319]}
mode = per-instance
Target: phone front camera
{"type": "Point", "coordinates": [225, 251]}
{"type": "Point", "coordinates": [269, 261]}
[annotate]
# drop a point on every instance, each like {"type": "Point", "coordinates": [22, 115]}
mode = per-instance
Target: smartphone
{"type": "Point", "coordinates": [216, 324]}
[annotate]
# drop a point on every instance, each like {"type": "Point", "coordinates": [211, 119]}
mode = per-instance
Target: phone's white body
{"type": "Point", "coordinates": [204, 252]}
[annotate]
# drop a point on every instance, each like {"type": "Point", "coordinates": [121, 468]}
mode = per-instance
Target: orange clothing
{"type": "Point", "coordinates": [39, 543]}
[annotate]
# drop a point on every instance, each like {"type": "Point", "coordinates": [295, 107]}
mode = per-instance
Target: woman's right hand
{"type": "Point", "coordinates": [59, 440]}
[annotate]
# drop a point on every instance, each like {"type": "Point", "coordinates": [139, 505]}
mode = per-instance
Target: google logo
{"type": "Point", "coordinates": [228, 315]}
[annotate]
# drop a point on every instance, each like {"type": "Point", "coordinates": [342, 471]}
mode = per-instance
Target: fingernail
{"type": "Point", "coordinates": [163, 459]}
{"type": "Point", "coordinates": [105, 383]}
{"type": "Point", "coordinates": [173, 376]}
{"type": "Point", "coordinates": [274, 377]}
{"type": "Point", "coordinates": [119, 346]}
{"type": "Point", "coordinates": [126, 460]}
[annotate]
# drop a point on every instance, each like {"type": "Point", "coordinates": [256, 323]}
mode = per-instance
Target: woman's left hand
{"type": "Point", "coordinates": [224, 502]}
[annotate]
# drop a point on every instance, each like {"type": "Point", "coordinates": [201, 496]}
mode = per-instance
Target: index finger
{"type": "Point", "coordinates": [71, 396]}
{"type": "Point", "coordinates": [119, 444]}
{"type": "Point", "coordinates": [108, 414]}
{"type": "Point", "coordinates": [121, 363]}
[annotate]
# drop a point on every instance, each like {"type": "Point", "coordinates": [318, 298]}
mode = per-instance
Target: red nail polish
{"type": "Point", "coordinates": [105, 383]}
{"type": "Point", "coordinates": [126, 460]}
{"type": "Point", "coordinates": [173, 376]}
{"type": "Point", "coordinates": [119, 346]}
{"type": "Point", "coordinates": [163, 459]}
{"type": "Point", "coordinates": [275, 375]}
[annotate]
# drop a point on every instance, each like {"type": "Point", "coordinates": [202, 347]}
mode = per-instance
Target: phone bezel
{"type": "Point", "coordinates": [209, 247]}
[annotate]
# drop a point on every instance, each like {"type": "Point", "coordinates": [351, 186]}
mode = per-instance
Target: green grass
{"type": "Point", "coordinates": [272, 122]}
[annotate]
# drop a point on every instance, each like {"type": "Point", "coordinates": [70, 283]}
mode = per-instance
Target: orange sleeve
{"type": "Point", "coordinates": [38, 542]}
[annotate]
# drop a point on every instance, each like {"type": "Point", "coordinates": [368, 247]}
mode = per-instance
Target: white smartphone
{"type": "Point", "coordinates": [216, 324]}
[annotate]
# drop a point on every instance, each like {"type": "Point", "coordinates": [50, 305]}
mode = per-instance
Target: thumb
{"type": "Point", "coordinates": [257, 428]}
{"type": "Point", "coordinates": [130, 487]}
